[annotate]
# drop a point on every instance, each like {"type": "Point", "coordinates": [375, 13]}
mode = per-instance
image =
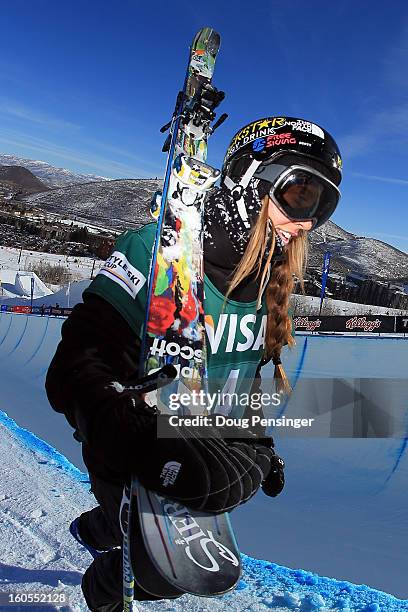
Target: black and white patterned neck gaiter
{"type": "Point", "coordinates": [226, 237]}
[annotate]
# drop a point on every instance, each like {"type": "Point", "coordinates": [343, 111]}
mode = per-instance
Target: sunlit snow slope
{"type": "Point", "coordinates": [40, 491]}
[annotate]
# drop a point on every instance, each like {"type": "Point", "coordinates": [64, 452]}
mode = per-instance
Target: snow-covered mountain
{"type": "Point", "coordinates": [124, 203]}
{"type": "Point", "coordinates": [329, 232]}
{"type": "Point", "coordinates": [372, 256]}
{"type": "Point", "coordinates": [356, 254]}
{"type": "Point", "coordinates": [18, 178]}
{"type": "Point", "coordinates": [117, 204]}
{"type": "Point", "coordinates": [50, 175]}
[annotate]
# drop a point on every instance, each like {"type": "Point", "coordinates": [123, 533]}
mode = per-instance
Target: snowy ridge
{"type": "Point", "coordinates": [118, 204]}
{"type": "Point", "coordinates": [330, 231]}
{"type": "Point", "coordinates": [50, 175]}
{"type": "Point", "coordinates": [374, 257]}
{"type": "Point", "coordinates": [41, 492]}
{"type": "Point", "coordinates": [16, 178]}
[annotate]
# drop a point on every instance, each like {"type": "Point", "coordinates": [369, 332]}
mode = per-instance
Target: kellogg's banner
{"type": "Point", "coordinates": [354, 323]}
{"type": "Point", "coordinates": [309, 323]}
{"type": "Point", "coordinates": [368, 323]}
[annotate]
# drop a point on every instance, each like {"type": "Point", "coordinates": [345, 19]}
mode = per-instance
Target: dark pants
{"type": "Point", "coordinates": [100, 527]}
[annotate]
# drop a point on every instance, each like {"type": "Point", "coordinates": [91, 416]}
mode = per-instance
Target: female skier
{"type": "Point", "coordinates": [279, 181]}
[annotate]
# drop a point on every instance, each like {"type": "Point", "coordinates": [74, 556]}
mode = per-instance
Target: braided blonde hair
{"type": "Point", "coordinates": [280, 285]}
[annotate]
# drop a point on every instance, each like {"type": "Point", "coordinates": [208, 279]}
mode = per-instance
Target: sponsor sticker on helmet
{"type": "Point", "coordinates": [255, 130]}
{"type": "Point", "coordinates": [306, 126]}
{"type": "Point", "coordinates": [270, 129]}
{"type": "Point", "coordinates": [274, 140]}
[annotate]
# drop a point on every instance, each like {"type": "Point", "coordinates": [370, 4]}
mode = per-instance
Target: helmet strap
{"type": "Point", "coordinates": [237, 189]}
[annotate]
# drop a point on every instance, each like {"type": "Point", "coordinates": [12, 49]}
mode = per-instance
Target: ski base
{"type": "Point", "coordinates": [192, 551]}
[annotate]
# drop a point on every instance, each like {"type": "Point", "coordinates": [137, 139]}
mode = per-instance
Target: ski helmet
{"type": "Point", "coordinates": [286, 152]}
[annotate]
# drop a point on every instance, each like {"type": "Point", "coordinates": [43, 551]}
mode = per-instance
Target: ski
{"type": "Point", "coordinates": [174, 333]}
{"type": "Point", "coordinates": [176, 281]}
{"type": "Point", "coordinates": [191, 551]}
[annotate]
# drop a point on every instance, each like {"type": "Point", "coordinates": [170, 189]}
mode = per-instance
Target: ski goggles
{"type": "Point", "coordinates": [300, 192]}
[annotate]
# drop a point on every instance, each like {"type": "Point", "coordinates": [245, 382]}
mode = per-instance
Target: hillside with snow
{"type": "Point", "coordinates": [357, 254]}
{"type": "Point", "coordinates": [18, 178]}
{"type": "Point", "coordinates": [121, 204]}
{"type": "Point", "coordinates": [124, 203]}
{"type": "Point", "coordinates": [50, 175]}
{"type": "Point", "coordinates": [374, 257]}
{"type": "Point", "coordinates": [115, 204]}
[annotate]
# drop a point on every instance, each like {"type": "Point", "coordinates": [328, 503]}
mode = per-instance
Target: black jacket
{"type": "Point", "coordinates": [97, 347]}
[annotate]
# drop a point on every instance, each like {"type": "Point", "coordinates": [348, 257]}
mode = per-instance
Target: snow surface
{"type": "Point", "coordinates": [79, 267]}
{"type": "Point", "coordinates": [41, 492]}
{"type": "Point", "coordinates": [18, 284]}
{"type": "Point", "coordinates": [66, 297]}
{"type": "Point", "coordinates": [343, 511]}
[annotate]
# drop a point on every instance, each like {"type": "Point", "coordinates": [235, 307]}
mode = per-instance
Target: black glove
{"type": "Point", "coordinates": [121, 427]}
{"type": "Point", "coordinates": [275, 481]}
{"type": "Point", "coordinates": [204, 473]}
{"type": "Point", "coordinates": [210, 474]}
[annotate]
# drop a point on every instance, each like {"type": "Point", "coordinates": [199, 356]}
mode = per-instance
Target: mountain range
{"type": "Point", "coordinates": [49, 175]}
{"type": "Point", "coordinates": [122, 203]}
{"type": "Point", "coordinates": [116, 204]}
{"type": "Point", "coordinates": [19, 178]}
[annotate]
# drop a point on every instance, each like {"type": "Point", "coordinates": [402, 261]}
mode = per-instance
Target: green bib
{"type": "Point", "coordinates": [235, 331]}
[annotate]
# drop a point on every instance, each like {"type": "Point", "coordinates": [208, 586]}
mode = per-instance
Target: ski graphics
{"type": "Point", "coordinates": [174, 310]}
{"type": "Point", "coordinates": [175, 313]}
{"type": "Point", "coordinates": [194, 552]}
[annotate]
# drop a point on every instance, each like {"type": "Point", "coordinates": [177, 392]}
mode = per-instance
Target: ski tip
{"type": "Point", "coordinates": [209, 37]}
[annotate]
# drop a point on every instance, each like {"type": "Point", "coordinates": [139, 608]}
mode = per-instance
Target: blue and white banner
{"type": "Point", "coordinates": [326, 266]}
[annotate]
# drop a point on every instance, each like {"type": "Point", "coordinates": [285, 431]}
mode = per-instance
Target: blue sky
{"type": "Point", "coordinates": [86, 85]}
